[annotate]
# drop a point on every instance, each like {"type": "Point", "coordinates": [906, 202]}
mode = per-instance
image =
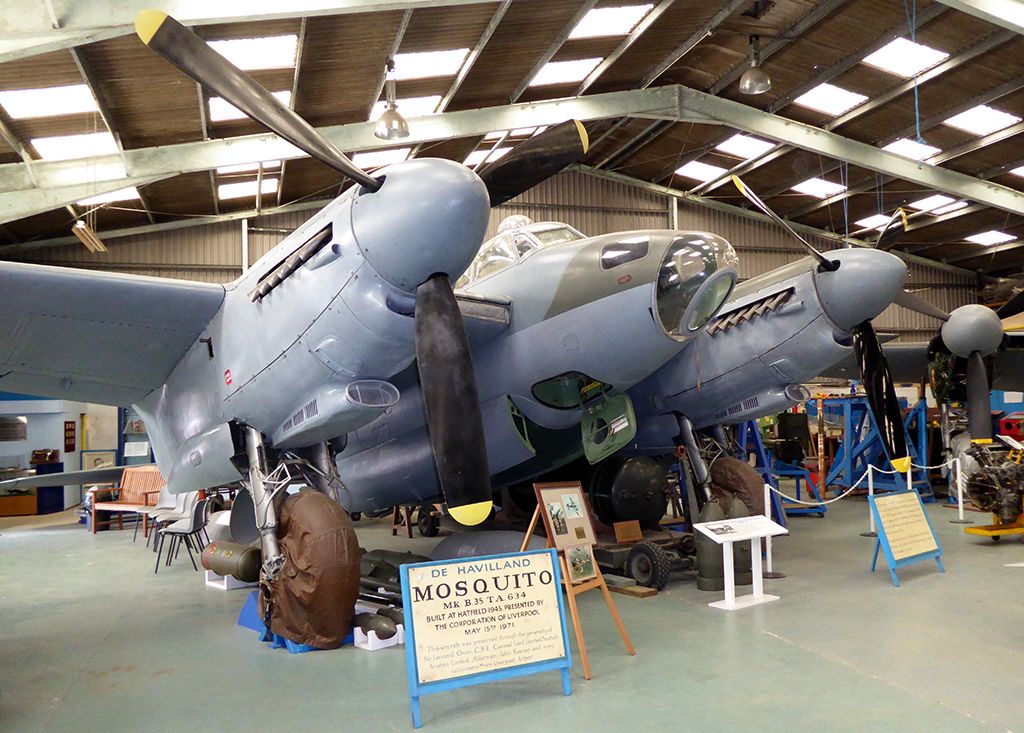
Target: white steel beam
{"type": "Point", "coordinates": [1006, 13]}
{"type": "Point", "coordinates": [28, 28]}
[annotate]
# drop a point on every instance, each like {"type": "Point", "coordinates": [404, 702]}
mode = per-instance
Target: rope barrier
{"type": "Point", "coordinates": [948, 464]}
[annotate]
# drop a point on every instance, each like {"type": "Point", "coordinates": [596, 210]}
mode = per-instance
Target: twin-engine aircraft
{"type": "Point", "coordinates": [345, 354]}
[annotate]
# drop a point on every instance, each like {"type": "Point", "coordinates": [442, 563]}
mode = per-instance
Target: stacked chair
{"type": "Point", "coordinates": [189, 530]}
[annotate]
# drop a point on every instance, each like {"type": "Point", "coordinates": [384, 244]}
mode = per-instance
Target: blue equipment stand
{"type": "Point", "coordinates": [882, 542]}
{"type": "Point", "coordinates": [418, 689]}
{"type": "Point", "coordinates": [798, 474]}
{"type": "Point", "coordinates": [748, 437]}
{"type": "Point", "coordinates": [862, 446]}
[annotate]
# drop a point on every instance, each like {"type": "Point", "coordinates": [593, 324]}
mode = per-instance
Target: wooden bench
{"type": "Point", "coordinates": [138, 487]}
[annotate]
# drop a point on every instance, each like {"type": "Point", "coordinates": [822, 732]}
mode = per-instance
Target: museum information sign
{"type": "Point", "coordinates": [480, 619]}
{"type": "Point", "coordinates": [904, 533]}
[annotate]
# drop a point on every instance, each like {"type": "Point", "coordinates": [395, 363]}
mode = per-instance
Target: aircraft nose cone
{"type": "Point", "coordinates": [430, 216]}
{"type": "Point", "coordinates": [865, 284]}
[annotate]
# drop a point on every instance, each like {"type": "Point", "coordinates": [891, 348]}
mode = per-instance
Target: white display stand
{"type": "Point", "coordinates": [225, 582]}
{"type": "Point", "coordinates": [727, 531]}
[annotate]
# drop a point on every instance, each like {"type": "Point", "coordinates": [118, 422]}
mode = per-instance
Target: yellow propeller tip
{"type": "Point", "coordinates": [147, 23]}
{"type": "Point", "coordinates": [471, 514]}
{"type": "Point", "coordinates": [584, 138]}
{"type": "Point", "coordinates": [901, 464]}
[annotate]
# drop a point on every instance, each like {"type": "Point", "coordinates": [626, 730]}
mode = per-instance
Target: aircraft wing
{"type": "Point", "coordinates": [109, 475]}
{"type": "Point", "coordinates": [95, 336]}
{"type": "Point", "coordinates": [908, 362]}
{"type": "Point", "coordinates": [484, 317]}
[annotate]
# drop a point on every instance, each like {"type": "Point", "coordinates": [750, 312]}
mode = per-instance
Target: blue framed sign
{"type": "Point", "coordinates": [474, 620]}
{"type": "Point", "coordinates": [905, 533]}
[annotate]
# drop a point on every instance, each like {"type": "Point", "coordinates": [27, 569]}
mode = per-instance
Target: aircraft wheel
{"type": "Point", "coordinates": [428, 523]}
{"type": "Point", "coordinates": [648, 565]}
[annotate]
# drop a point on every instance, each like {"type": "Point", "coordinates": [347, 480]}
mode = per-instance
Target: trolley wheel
{"type": "Point", "coordinates": [356, 516]}
{"type": "Point", "coordinates": [648, 565]}
{"type": "Point", "coordinates": [428, 523]}
{"type": "Point", "coordinates": [996, 538]}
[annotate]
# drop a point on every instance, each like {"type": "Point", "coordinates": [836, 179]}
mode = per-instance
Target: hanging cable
{"type": "Point", "coordinates": [911, 10]}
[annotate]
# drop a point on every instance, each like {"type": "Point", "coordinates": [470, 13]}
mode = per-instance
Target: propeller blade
{"type": "Point", "coordinates": [979, 405]}
{"type": "Point", "coordinates": [1012, 307]}
{"type": "Point", "coordinates": [826, 263]}
{"type": "Point", "coordinates": [535, 160]}
{"type": "Point", "coordinates": [878, 384]}
{"type": "Point", "coordinates": [919, 305]}
{"type": "Point", "coordinates": [454, 423]}
{"type": "Point", "coordinates": [893, 228]}
{"type": "Point", "coordinates": [192, 55]}
{"type": "Point", "coordinates": [1013, 323]}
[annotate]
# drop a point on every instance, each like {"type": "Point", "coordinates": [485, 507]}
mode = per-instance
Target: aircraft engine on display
{"type": "Point", "coordinates": [998, 484]}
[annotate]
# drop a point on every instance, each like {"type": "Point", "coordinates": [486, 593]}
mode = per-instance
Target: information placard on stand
{"type": "Point", "coordinates": [727, 531]}
{"type": "Point", "coordinates": [474, 620]}
{"type": "Point", "coordinates": [905, 533]}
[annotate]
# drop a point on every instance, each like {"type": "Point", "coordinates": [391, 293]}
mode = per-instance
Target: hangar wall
{"type": "Point", "coordinates": [212, 252]}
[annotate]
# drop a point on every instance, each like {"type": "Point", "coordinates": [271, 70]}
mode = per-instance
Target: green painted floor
{"type": "Point", "coordinates": [94, 641]}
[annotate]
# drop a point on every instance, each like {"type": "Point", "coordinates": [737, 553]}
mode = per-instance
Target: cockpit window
{"type": "Point", "coordinates": [692, 261]}
{"type": "Point", "coordinates": [495, 258]}
{"type": "Point", "coordinates": [625, 251]}
{"type": "Point", "coordinates": [555, 235]}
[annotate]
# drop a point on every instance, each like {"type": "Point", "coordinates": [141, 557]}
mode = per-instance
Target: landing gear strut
{"type": "Point", "coordinates": [265, 490]}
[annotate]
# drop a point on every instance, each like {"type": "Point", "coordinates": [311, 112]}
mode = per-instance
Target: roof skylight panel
{"type": "Point", "coordinates": [131, 193]}
{"type": "Point", "coordinates": [819, 187]}
{"type": "Point", "coordinates": [222, 110]}
{"type": "Point", "coordinates": [912, 149]}
{"type": "Point", "coordinates": [427, 64]}
{"type": "Point", "coordinates": [745, 146]}
{"type": "Point", "coordinates": [700, 171]}
{"type": "Point", "coordinates": [618, 21]}
{"type": "Point", "coordinates": [246, 188]}
{"type": "Point", "coordinates": [931, 203]}
{"type": "Point", "coordinates": [905, 58]}
{"type": "Point", "coordinates": [982, 120]}
{"type": "Point", "coordinates": [378, 158]}
{"type": "Point", "coordinates": [991, 237]}
{"type": "Point", "coordinates": [21, 104]}
{"type": "Point", "coordinates": [564, 72]}
{"type": "Point", "coordinates": [478, 156]}
{"type": "Point", "coordinates": [830, 99]}
{"type": "Point", "coordinates": [66, 147]}
{"type": "Point", "coordinates": [268, 52]}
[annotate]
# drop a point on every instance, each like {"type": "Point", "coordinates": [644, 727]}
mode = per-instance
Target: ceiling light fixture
{"type": "Point", "coordinates": [88, 237]}
{"type": "Point", "coordinates": [755, 80]}
{"type": "Point", "coordinates": [830, 99]}
{"type": "Point", "coordinates": [931, 203]}
{"type": "Point", "coordinates": [391, 125]}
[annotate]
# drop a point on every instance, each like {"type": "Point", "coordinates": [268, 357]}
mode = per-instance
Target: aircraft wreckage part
{"type": "Point", "coordinates": [710, 567]}
{"type": "Point", "coordinates": [241, 562]}
{"type": "Point", "coordinates": [333, 410]}
{"type": "Point", "coordinates": [384, 626]}
{"type": "Point", "coordinates": [623, 488]}
{"type": "Point", "coordinates": [395, 614]}
{"type": "Point", "coordinates": [535, 160]}
{"type": "Point", "coordinates": [491, 542]}
{"type": "Point", "coordinates": [881, 394]}
{"type": "Point", "coordinates": [243, 519]}
{"type": "Point", "coordinates": [842, 294]}
{"type": "Point", "coordinates": [313, 597]}
{"type": "Point", "coordinates": [431, 192]}
{"type": "Point", "coordinates": [448, 384]}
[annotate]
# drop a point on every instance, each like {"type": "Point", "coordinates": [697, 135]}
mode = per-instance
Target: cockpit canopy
{"type": "Point", "coordinates": [518, 237]}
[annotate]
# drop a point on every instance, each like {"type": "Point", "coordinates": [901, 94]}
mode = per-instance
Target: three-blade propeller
{"type": "Point", "coordinates": [442, 350]}
{"type": "Point", "coordinates": [874, 368]}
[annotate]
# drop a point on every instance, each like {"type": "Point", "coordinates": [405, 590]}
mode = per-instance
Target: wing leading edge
{"type": "Point", "coordinates": [96, 336]}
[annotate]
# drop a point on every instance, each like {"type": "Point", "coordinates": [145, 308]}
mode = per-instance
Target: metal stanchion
{"type": "Point", "coordinates": [959, 495]}
{"type": "Point", "coordinates": [769, 572]}
{"type": "Point", "coordinates": [871, 516]}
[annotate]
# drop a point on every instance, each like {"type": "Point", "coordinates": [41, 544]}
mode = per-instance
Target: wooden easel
{"type": "Point", "coordinates": [401, 518]}
{"type": "Point", "coordinates": [571, 591]}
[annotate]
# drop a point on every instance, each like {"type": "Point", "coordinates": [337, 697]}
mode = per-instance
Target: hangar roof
{"type": "Point", "coordinates": [875, 104]}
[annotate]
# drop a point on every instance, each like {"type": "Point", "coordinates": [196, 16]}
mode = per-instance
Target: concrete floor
{"type": "Point", "coordinates": [93, 640]}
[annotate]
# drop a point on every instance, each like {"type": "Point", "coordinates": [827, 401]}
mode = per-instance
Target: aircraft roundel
{"type": "Point", "coordinates": [227, 376]}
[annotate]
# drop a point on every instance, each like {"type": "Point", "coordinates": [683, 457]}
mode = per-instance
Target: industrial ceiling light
{"type": "Point", "coordinates": [755, 80]}
{"type": "Point", "coordinates": [391, 125]}
{"type": "Point", "coordinates": [87, 236]}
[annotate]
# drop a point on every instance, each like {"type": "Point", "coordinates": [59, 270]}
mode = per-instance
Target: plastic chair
{"type": "Point", "coordinates": [164, 502]}
{"type": "Point", "coordinates": [187, 531]}
{"type": "Point", "coordinates": [183, 507]}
